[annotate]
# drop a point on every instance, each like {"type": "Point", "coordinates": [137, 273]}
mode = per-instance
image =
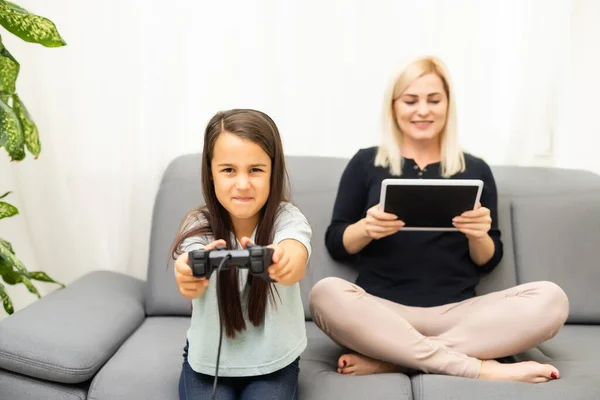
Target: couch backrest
{"type": "Point", "coordinates": [549, 218]}
{"type": "Point", "coordinates": [555, 217]}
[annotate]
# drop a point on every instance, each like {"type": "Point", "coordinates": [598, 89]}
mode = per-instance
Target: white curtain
{"type": "Point", "coordinates": [140, 78]}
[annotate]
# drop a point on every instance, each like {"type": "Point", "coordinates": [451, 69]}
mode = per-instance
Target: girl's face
{"type": "Point", "coordinates": [241, 172]}
{"type": "Point", "coordinates": [422, 108]}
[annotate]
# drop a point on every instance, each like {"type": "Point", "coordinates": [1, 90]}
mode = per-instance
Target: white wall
{"type": "Point", "coordinates": [577, 143]}
{"type": "Point", "coordinates": [140, 78]}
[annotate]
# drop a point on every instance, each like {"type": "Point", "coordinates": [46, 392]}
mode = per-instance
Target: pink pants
{"type": "Point", "coordinates": [451, 339]}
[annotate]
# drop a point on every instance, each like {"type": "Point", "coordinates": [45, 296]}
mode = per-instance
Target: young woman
{"type": "Point", "coordinates": [414, 305]}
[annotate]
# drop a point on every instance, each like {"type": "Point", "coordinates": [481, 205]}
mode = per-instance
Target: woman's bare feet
{"type": "Point", "coordinates": [527, 371]}
{"type": "Point", "coordinates": [357, 364]}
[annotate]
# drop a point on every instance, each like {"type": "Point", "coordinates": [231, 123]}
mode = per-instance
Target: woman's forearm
{"type": "Point", "coordinates": [356, 237]}
{"type": "Point", "coordinates": [481, 250]}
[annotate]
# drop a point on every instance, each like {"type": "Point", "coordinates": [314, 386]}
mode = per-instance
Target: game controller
{"type": "Point", "coordinates": [255, 258]}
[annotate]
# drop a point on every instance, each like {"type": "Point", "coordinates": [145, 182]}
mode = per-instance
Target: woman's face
{"type": "Point", "coordinates": [422, 108]}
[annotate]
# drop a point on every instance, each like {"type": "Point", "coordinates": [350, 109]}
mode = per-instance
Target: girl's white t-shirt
{"type": "Point", "coordinates": [257, 350]}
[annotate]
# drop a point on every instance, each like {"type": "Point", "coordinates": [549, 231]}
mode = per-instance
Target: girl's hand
{"type": "Point", "coordinates": [282, 269]}
{"type": "Point", "coordinates": [379, 224]}
{"type": "Point", "coordinates": [189, 286]}
{"type": "Point", "coordinates": [475, 224]}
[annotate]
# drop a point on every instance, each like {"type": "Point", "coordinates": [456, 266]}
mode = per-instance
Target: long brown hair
{"type": "Point", "coordinates": [212, 218]}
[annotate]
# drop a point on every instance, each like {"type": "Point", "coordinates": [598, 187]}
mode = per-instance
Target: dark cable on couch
{"type": "Point", "coordinates": [221, 265]}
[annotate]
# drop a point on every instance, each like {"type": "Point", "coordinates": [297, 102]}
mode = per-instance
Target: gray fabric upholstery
{"type": "Point", "coordinates": [180, 191]}
{"type": "Point", "coordinates": [68, 335]}
{"type": "Point", "coordinates": [517, 182]}
{"type": "Point", "coordinates": [18, 387]}
{"type": "Point", "coordinates": [320, 381]}
{"type": "Point", "coordinates": [148, 364]}
{"type": "Point", "coordinates": [558, 240]}
{"type": "Point", "coordinates": [314, 187]}
{"type": "Point", "coordinates": [578, 382]}
{"type": "Point", "coordinates": [573, 343]}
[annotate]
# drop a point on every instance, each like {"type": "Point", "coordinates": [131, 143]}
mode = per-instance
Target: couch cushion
{"type": "Point", "coordinates": [69, 334]}
{"type": "Point", "coordinates": [576, 383]}
{"type": "Point", "coordinates": [20, 387]}
{"type": "Point", "coordinates": [557, 239]}
{"type": "Point", "coordinates": [148, 364]}
{"type": "Point", "coordinates": [320, 381]}
{"type": "Point", "coordinates": [572, 343]}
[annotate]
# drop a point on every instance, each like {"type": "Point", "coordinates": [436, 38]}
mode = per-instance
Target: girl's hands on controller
{"type": "Point", "coordinates": [282, 270]}
{"type": "Point", "coordinates": [189, 286]}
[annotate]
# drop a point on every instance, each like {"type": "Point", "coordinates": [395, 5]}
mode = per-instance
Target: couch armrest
{"type": "Point", "coordinates": [69, 334]}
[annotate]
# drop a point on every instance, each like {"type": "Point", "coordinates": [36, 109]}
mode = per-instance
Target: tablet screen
{"type": "Point", "coordinates": [430, 206]}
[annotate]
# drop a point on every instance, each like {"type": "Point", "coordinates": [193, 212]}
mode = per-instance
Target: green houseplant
{"type": "Point", "coordinates": [18, 132]}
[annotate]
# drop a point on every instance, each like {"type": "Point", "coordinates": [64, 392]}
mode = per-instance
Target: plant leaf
{"type": "Point", "coordinates": [8, 254]}
{"type": "Point", "coordinates": [30, 130]}
{"type": "Point", "coordinates": [9, 70]}
{"type": "Point", "coordinates": [43, 277]}
{"type": "Point", "coordinates": [29, 27]}
{"type": "Point", "coordinates": [30, 287]}
{"type": "Point", "coordinates": [12, 277]}
{"type": "Point", "coordinates": [6, 302]}
{"type": "Point", "coordinates": [17, 7]}
{"type": "Point", "coordinates": [7, 245]}
{"type": "Point", "coordinates": [4, 195]}
{"type": "Point", "coordinates": [11, 134]}
{"type": "Point", "coordinates": [5, 267]}
{"type": "Point", "coordinates": [7, 210]}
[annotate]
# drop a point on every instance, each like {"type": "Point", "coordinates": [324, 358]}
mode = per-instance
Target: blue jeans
{"type": "Point", "coordinates": [279, 385]}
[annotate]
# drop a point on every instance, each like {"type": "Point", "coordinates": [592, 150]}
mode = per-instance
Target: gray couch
{"type": "Point", "coordinates": [110, 336]}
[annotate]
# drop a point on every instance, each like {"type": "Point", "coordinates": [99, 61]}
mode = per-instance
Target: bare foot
{"type": "Point", "coordinates": [527, 371]}
{"type": "Point", "coordinates": [357, 364]}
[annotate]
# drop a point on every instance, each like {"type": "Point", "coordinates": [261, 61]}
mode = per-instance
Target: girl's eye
{"type": "Point", "coordinates": [256, 170]}
{"type": "Point", "coordinates": [227, 170]}
{"type": "Point", "coordinates": [410, 103]}
{"type": "Point", "coordinates": [434, 101]}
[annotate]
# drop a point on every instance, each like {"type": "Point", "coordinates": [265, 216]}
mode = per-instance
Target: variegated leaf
{"type": "Point", "coordinates": [11, 134]}
{"type": "Point", "coordinates": [7, 245]}
{"type": "Point", "coordinates": [29, 27]}
{"type": "Point", "coordinates": [43, 277]}
{"type": "Point", "coordinates": [7, 210]}
{"type": "Point", "coordinates": [7, 254]}
{"type": "Point", "coordinates": [9, 70]}
{"type": "Point", "coordinates": [30, 287]}
{"type": "Point", "coordinates": [30, 130]}
{"type": "Point", "coordinates": [6, 302]}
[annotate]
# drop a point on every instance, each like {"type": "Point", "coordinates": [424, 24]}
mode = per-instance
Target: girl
{"type": "Point", "coordinates": [244, 181]}
{"type": "Point", "coordinates": [414, 304]}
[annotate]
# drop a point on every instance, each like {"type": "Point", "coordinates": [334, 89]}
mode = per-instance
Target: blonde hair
{"type": "Point", "coordinates": [389, 152]}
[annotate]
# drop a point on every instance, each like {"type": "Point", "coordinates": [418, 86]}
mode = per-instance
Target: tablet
{"type": "Point", "coordinates": [429, 204]}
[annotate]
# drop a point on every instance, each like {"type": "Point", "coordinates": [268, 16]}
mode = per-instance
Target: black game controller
{"type": "Point", "coordinates": [256, 258]}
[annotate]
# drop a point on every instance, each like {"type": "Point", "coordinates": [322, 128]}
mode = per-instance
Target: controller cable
{"type": "Point", "coordinates": [221, 265]}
